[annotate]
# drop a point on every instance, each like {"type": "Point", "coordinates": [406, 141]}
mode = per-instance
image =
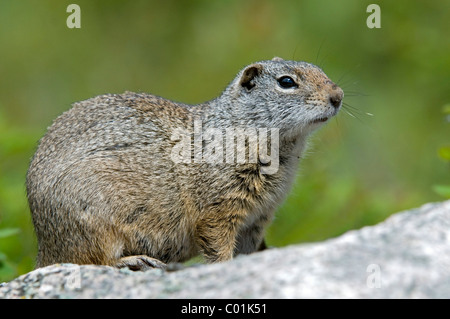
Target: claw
{"type": "Point", "coordinates": [140, 263]}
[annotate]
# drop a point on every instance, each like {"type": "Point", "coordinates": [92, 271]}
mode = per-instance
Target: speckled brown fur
{"type": "Point", "coordinates": [103, 189]}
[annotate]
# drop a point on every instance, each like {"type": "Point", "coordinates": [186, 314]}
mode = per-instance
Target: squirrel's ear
{"type": "Point", "coordinates": [249, 74]}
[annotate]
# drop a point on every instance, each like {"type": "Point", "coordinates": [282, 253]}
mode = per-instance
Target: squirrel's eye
{"type": "Point", "coordinates": [287, 82]}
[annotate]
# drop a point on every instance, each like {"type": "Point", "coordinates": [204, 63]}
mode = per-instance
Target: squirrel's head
{"type": "Point", "coordinates": [292, 96]}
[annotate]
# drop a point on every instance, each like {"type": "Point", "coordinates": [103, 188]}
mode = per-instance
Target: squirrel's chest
{"type": "Point", "coordinates": [264, 192]}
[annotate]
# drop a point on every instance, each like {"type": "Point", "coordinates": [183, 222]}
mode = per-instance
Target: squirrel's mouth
{"type": "Point", "coordinates": [320, 120]}
{"type": "Point", "coordinates": [324, 118]}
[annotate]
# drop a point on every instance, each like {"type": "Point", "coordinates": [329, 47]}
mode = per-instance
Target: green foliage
{"type": "Point", "coordinates": [443, 190]}
{"type": "Point", "coordinates": [7, 268]}
{"type": "Point", "coordinates": [359, 168]}
{"type": "Point", "coordinates": [444, 154]}
{"type": "Point", "coordinates": [446, 110]}
{"type": "Point", "coordinates": [17, 243]}
{"type": "Point", "coordinates": [8, 232]}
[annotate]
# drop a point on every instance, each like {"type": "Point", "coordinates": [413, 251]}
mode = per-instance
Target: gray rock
{"type": "Point", "coordinates": [406, 256]}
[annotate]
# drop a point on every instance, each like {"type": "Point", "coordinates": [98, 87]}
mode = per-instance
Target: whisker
{"type": "Point", "coordinates": [351, 107]}
{"type": "Point", "coordinates": [354, 109]}
{"type": "Point", "coordinates": [350, 114]}
{"type": "Point", "coordinates": [295, 51]}
{"type": "Point", "coordinates": [322, 62]}
{"type": "Point", "coordinates": [318, 53]}
{"type": "Point", "coordinates": [348, 84]}
{"type": "Point", "coordinates": [355, 93]}
{"type": "Point", "coordinates": [338, 82]}
{"type": "Point", "coordinates": [348, 71]}
{"type": "Point", "coordinates": [338, 127]}
{"type": "Point", "coordinates": [355, 112]}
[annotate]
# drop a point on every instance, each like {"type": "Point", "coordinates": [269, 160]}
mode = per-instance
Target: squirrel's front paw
{"type": "Point", "coordinates": [140, 262]}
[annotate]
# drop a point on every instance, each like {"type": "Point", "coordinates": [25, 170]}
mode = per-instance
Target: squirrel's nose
{"type": "Point", "coordinates": [336, 97]}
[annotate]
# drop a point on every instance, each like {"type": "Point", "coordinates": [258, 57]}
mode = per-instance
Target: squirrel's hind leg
{"type": "Point", "coordinates": [140, 262]}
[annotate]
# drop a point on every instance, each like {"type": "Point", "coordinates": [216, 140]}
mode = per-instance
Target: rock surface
{"type": "Point", "coordinates": [406, 256]}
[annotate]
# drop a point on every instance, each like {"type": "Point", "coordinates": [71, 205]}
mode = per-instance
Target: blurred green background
{"type": "Point", "coordinates": [360, 168]}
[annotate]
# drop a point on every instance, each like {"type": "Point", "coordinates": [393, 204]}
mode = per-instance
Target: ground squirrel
{"type": "Point", "coordinates": [105, 185]}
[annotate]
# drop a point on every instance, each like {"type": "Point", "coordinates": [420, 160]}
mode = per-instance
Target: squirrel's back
{"type": "Point", "coordinates": [103, 160]}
